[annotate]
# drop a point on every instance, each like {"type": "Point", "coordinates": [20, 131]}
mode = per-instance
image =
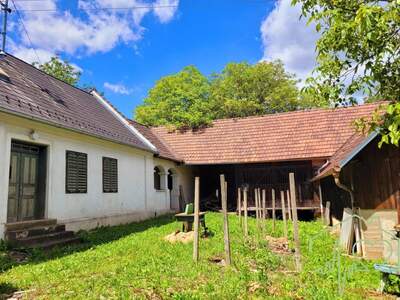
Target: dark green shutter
{"type": "Point", "coordinates": [110, 175]}
{"type": "Point", "coordinates": [76, 172]}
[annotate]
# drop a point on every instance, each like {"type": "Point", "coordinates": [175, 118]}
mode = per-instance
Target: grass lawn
{"type": "Point", "coordinates": [133, 261]}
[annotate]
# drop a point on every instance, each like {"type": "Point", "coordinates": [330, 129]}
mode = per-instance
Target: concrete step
{"type": "Point", "coordinates": [34, 231]}
{"type": "Point", "coordinates": [48, 245]}
{"type": "Point", "coordinates": [29, 224]}
{"type": "Point", "coordinates": [31, 242]}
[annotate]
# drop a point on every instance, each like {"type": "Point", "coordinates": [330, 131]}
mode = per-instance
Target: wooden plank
{"type": "Point", "coordinates": [285, 231]}
{"type": "Point", "coordinates": [196, 218]}
{"type": "Point", "coordinates": [246, 228]}
{"type": "Point", "coordinates": [295, 221]}
{"type": "Point", "coordinates": [273, 211]}
{"type": "Point", "coordinates": [224, 189]}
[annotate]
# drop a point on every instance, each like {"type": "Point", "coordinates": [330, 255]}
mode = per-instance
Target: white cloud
{"type": "Point", "coordinates": [117, 88]}
{"type": "Point", "coordinates": [165, 9]}
{"type": "Point", "coordinates": [87, 32]}
{"type": "Point", "coordinates": [288, 38]}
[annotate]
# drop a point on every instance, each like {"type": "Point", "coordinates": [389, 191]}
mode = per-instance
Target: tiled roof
{"type": "Point", "coordinates": [163, 150]}
{"type": "Point", "coordinates": [32, 93]}
{"type": "Point", "coordinates": [299, 135]}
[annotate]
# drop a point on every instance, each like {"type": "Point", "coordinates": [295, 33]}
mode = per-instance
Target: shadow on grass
{"type": "Point", "coordinates": [90, 239]}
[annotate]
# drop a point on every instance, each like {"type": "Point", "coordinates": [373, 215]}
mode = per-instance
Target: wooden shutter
{"type": "Point", "coordinates": [110, 175]}
{"type": "Point", "coordinates": [76, 172]}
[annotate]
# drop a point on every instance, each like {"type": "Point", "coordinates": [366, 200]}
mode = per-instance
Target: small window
{"type": "Point", "coordinates": [110, 175]}
{"type": "Point", "coordinates": [76, 172]}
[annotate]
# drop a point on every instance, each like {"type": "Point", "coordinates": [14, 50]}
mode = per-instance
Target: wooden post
{"type": "Point", "coordinates": [289, 206]}
{"type": "Point", "coordinates": [224, 188]}
{"type": "Point", "coordinates": [246, 228]}
{"type": "Point", "coordinates": [273, 210]}
{"type": "Point", "coordinates": [320, 203]}
{"type": "Point", "coordinates": [256, 205]}
{"type": "Point", "coordinates": [239, 206]}
{"type": "Point", "coordinates": [264, 204]}
{"type": "Point", "coordinates": [295, 222]}
{"type": "Point", "coordinates": [196, 219]}
{"type": "Point", "coordinates": [284, 214]}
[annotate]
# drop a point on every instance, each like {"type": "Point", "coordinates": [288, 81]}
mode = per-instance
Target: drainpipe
{"type": "Point", "coordinates": [336, 176]}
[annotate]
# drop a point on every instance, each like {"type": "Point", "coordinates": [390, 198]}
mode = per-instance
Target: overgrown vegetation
{"type": "Point", "coordinates": [133, 261]}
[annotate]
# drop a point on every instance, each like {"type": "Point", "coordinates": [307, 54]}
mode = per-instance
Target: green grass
{"type": "Point", "coordinates": [133, 261]}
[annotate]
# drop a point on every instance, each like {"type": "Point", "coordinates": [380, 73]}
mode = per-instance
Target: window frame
{"type": "Point", "coordinates": [69, 190]}
{"type": "Point", "coordinates": [115, 189]}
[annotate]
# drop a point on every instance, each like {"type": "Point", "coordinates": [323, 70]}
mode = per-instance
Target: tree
{"type": "Point", "coordinates": [180, 100]}
{"type": "Point", "coordinates": [60, 69]}
{"type": "Point", "coordinates": [242, 89]}
{"type": "Point", "coordinates": [358, 52]}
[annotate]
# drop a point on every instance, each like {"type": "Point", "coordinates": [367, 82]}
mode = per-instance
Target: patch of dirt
{"type": "Point", "coordinates": [253, 287]}
{"type": "Point", "coordinates": [278, 245]}
{"type": "Point", "coordinates": [217, 260]}
{"type": "Point", "coordinates": [180, 237]}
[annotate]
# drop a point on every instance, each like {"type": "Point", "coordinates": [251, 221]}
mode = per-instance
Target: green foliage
{"type": "Point", "coordinates": [189, 99]}
{"type": "Point", "coordinates": [358, 52]}
{"type": "Point", "coordinates": [60, 69]}
{"type": "Point", "coordinates": [180, 100]}
{"type": "Point", "coordinates": [134, 262]}
{"type": "Point", "coordinates": [392, 285]}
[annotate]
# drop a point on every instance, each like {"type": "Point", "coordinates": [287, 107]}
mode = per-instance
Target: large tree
{"type": "Point", "coordinates": [358, 53]}
{"type": "Point", "coordinates": [180, 100]}
{"type": "Point", "coordinates": [190, 99]}
{"type": "Point", "coordinates": [60, 69]}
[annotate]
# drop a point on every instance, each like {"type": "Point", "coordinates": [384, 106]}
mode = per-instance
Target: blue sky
{"type": "Point", "coordinates": [124, 52]}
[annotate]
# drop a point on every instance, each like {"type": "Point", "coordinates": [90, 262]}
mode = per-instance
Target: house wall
{"type": "Point", "coordinates": [136, 198]}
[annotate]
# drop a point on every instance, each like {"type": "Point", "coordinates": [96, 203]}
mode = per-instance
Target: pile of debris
{"type": "Point", "coordinates": [278, 245]}
{"type": "Point", "coordinates": [180, 237]}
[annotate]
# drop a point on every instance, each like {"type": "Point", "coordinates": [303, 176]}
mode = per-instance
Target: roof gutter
{"type": "Point", "coordinates": [17, 114]}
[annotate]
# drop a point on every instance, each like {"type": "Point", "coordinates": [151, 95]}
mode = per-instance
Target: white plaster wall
{"type": "Point", "coordinates": [136, 198]}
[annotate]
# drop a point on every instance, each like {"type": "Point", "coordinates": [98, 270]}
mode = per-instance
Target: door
{"type": "Point", "coordinates": [23, 182]}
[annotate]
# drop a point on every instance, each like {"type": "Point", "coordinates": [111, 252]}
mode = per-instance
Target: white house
{"type": "Point", "coordinates": [68, 155]}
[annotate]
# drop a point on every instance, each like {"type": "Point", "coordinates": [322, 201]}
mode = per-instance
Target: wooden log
{"type": "Point", "coordinates": [285, 231]}
{"type": "Point", "coordinates": [295, 221]}
{"type": "Point", "coordinates": [246, 228]}
{"type": "Point", "coordinates": [289, 206]}
{"type": "Point", "coordinates": [224, 188]}
{"type": "Point", "coordinates": [196, 218]}
{"type": "Point", "coordinates": [239, 206]}
{"type": "Point", "coordinates": [273, 211]}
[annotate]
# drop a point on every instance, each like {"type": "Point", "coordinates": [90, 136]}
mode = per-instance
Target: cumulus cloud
{"type": "Point", "coordinates": [165, 9]}
{"type": "Point", "coordinates": [287, 37]}
{"type": "Point", "coordinates": [117, 88]}
{"type": "Point", "coordinates": [87, 32]}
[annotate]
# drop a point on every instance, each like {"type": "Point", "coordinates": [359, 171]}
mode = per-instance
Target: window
{"type": "Point", "coordinates": [157, 178]}
{"type": "Point", "coordinates": [110, 175]}
{"type": "Point", "coordinates": [76, 172]}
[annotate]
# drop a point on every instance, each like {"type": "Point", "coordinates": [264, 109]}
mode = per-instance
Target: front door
{"type": "Point", "coordinates": [23, 190]}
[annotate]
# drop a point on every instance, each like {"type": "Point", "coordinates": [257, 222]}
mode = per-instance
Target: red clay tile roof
{"type": "Point", "coordinates": [34, 94]}
{"type": "Point", "coordinates": [163, 150]}
{"type": "Point", "coordinates": [288, 136]}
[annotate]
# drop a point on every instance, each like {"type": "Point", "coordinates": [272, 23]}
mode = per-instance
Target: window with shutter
{"type": "Point", "coordinates": [110, 175]}
{"type": "Point", "coordinates": [76, 172]}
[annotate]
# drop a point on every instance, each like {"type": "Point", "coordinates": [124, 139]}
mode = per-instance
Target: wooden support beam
{"type": "Point", "coordinates": [196, 218]}
{"type": "Point", "coordinates": [297, 254]}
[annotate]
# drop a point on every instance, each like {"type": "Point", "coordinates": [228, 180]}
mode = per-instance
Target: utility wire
{"type": "Point", "coordinates": [103, 8]}
{"type": "Point", "coordinates": [26, 31]}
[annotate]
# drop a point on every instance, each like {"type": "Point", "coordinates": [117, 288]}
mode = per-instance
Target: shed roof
{"type": "Point", "coordinates": [299, 135]}
{"type": "Point", "coordinates": [29, 92]}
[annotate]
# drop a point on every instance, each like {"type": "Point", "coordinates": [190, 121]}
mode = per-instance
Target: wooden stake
{"type": "Point", "coordinates": [273, 210]}
{"type": "Point", "coordinates": [289, 206]}
{"type": "Point", "coordinates": [246, 228]}
{"type": "Point", "coordinates": [239, 206]}
{"type": "Point", "coordinates": [256, 205]}
{"type": "Point", "coordinates": [224, 189]}
{"type": "Point", "coordinates": [295, 222]}
{"type": "Point", "coordinates": [264, 204]}
{"type": "Point", "coordinates": [196, 218]}
{"type": "Point", "coordinates": [320, 203]}
{"type": "Point", "coordinates": [284, 214]}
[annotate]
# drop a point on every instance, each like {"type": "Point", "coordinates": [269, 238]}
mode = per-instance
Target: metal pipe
{"type": "Point", "coordinates": [4, 32]}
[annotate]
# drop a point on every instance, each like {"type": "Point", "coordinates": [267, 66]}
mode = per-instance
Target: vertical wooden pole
{"type": "Point", "coordinates": [196, 218]}
{"type": "Point", "coordinates": [224, 188]}
{"type": "Point", "coordinates": [295, 221]}
{"type": "Point", "coordinates": [264, 204]}
{"type": "Point", "coordinates": [321, 203]}
{"type": "Point", "coordinates": [256, 205]}
{"type": "Point", "coordinates": [239, 206]}
{"type": "Point", "coordinates": [246, 228]}
{"type": "Point", "coordinates": [285, 232]}
{"type": "Point", "coordinates": [273, 210]}
{"type": "Point", "coordinates": [289, 206]}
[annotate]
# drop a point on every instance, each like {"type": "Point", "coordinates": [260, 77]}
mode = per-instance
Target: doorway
{"type": "Point", "coordinates": [27, 179]}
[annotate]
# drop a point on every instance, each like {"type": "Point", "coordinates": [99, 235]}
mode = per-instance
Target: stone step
{"type": "Point", "coordinates": [34, 231]}
{"type": "Point", "coordinates": [31, 242]}
{"type": "Point", "coordinates": [48, 245]}
{"type": "Point", "coordinates": [29, 224]}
